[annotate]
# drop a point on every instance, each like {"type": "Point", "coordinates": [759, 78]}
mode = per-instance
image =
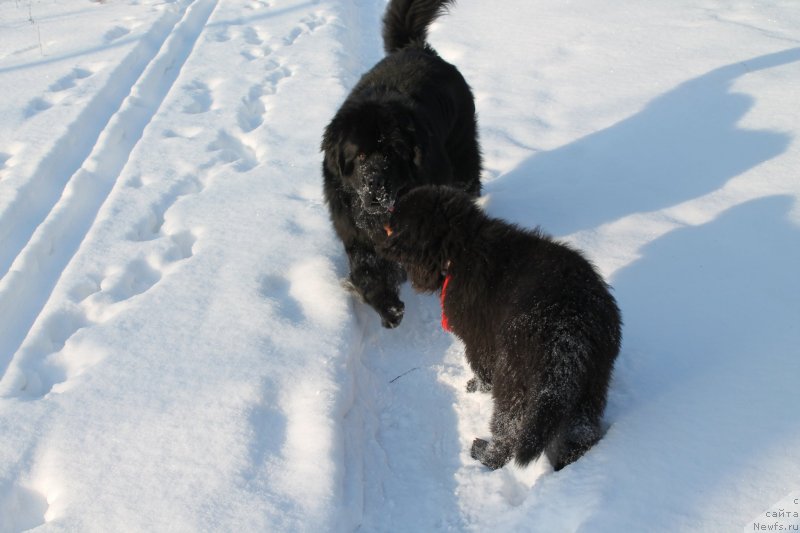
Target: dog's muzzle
{"type": "Point", "coordinates": [376, 202]}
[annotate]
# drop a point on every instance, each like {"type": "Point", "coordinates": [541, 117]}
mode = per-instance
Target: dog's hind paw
{"type": "Point", "coordinates": [488, 455]}
{"type": "Point", "coordinates": [477, 384]}
{"type": "Point", "coordinates": [478, 449]}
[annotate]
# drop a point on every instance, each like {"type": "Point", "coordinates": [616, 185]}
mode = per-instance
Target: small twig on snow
{"type": "Point", "coordinates": [404, 373]}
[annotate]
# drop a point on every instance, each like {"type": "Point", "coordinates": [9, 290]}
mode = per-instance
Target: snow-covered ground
{"type": "Point", "coordinates": [177, 353]}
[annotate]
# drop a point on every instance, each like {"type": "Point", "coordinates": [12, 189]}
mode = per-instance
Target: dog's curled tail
{"type": "Point", "coordinates": [407, 21]}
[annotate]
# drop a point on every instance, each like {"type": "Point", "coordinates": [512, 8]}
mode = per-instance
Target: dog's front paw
{"type": "Point", "coordinates": [392, 315]}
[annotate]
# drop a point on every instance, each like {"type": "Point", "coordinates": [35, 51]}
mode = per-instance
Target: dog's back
{"type": "Point", "coordinates": [406, 22]}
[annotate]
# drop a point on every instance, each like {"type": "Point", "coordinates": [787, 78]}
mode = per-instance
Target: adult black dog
{"type": "Point", "coordinates": [540, 326]}
{"type": "Point", "coordinates": [409, 121]}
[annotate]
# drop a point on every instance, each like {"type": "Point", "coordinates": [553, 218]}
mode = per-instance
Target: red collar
{"type": "Point", "coordinates": [445, 321]}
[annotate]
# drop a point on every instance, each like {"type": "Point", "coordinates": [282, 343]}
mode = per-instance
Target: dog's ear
{"type": "Point", "coordinates": [339, 160]}
{"type": "Point", "coordinates": [332, 156]}
{"type": "Point", "coordinates": [331, 141]}
{"type": "Point", "coordinates": [345, 168]}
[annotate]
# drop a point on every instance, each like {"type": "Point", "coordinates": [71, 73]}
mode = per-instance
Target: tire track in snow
{"type": "Point", "coordinates": [75, 179]}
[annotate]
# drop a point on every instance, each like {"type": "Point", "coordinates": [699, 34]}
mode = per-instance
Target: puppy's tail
{"type": "Point", "coordinates": [554, 394]}
{"type": "Point", "coordinates": [407, 21]}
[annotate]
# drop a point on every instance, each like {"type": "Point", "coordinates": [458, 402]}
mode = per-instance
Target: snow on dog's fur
{"type": "Point", "coordinates": [540, 326]}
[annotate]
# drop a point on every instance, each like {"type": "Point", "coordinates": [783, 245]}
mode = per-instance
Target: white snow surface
{"type": "Point", "coordinates": [177, 352]}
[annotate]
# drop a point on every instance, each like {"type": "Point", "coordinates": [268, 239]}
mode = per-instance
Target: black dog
{"type": "Point", "coordinates": [409, 121]}
{"type": "Point", "coordinates": [540, 327]}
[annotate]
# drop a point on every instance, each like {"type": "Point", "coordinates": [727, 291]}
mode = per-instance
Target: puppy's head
{"type": "Point", "coordinates": [429, 227]}
{"type": "Point", "coordinates": [373, 149]}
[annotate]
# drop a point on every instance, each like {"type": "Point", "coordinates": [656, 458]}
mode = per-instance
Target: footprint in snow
{"type": "Point", "coordinates": [200, 99]}
{"type": "Point", "coordinates": [69, 81]}
{"type": "Point", "coordinates": [276, 289]}
{"type": "Point", "coordinates": [252, 36]}
{"type": "Point", "coordinates": [54, 92]}
{"type": "Point", "coordinates": [251, 111]}
{"type": "Point", "coordinates": [150, 226]}
{"type": "Point", "coordinates": [221, 36]}
{"type": "Point", "coordinates": [117, 32]}
{"type": "Point", "coordinates": [257, 5]}
{"type": "Point", "coordinates": [230, 149]}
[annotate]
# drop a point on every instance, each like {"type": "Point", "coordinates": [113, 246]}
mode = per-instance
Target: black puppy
{"type": "Point", "coordinates": [409, 121]}
{"type": "Point", "coordinates": [540, 327]}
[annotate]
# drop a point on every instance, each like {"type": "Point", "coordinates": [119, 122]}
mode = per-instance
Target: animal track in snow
{"type": "Point", "coordinates": [232, 150]}
{"type": "Point", "coordinates": [276, 289]}
{"type": "Point", "coordinates": [251, 110]}
{"type": "Point", "coordinates": [252, 36]}
{"type": "Point", "coordinates": [307, 25]}
{"type": "Point", "coordinates": [36, 106]}
{"type": "Point", "coordinates": [200, 96]}
{"type": "Point", "coordinates": [117, 32]}
{"type": "Point", "coordinates": [294, 34]}
{"type": "Point", "coordinates": [69, 81]}
{"type": "Point", "coordinates": [53, 95]}
{"type": "Point", "coordinates": [221, 36]}
{"type": "Point", "coordinates": [275, 75]}
{"type": "Point", "coordinates": [149, 227]}
{"type": "Point", "coordinates": [64, 355]}
{"type": "Point", "coordinates": [253, 53]}
{"type": "Point", "coordinates": [183, 132]}
{"type": "Point", "coordinates": [121, 284]}
{"type": "Point", "coordinates": [101, 296]}
{"type": "Point", "coordinates": [257, 4]}
{"type": "Point", "coordinates": [314, 21]}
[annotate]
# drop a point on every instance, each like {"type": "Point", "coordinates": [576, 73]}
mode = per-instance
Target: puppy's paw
{"type": "Point", "coordinates": [477, 384]}
{"type": "Point", "coordinates": [478, 450]}
{"type": "Point", "coordinates": [392, 315]}
{"type": "Point", "coordinates": [488, 455]}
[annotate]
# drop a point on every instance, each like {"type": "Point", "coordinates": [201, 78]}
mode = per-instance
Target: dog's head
{"type": "Point", "coordinates": [373, 149]}
{"type": "Point", "coordinates": [429, 227]}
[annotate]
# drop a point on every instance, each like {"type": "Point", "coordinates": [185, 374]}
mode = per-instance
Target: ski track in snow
{"type": "Point", "coordinates": [61, 204]}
